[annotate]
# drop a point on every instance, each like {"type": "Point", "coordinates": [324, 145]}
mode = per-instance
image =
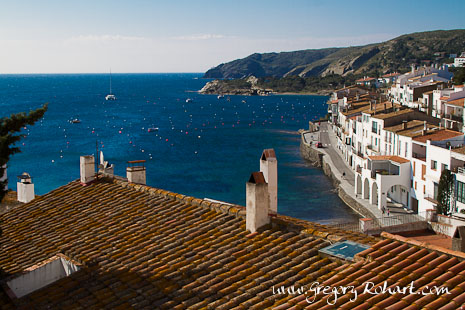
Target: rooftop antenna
{"type": "Point", "coordinates": [96, 161]}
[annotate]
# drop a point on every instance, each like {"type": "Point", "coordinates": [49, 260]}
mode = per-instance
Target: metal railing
{"type": "Point", "coordinates": [349, 226]}
{"type": "Point", "coordinates": [399, 219]}
{"type": "Point", "coordinates": [458, 118]}
{"type": "Point", "coordinates": [382, 222]}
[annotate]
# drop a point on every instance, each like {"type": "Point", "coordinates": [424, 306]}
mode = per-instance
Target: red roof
{"type": "Point", "coordinates": [457, 102]}
{"type": "Point", "coordinates": [365, 79]}
{"type": "Point", "coordinates": [396, 159]}
{"type": "Point", "coordinates": [438, 135]}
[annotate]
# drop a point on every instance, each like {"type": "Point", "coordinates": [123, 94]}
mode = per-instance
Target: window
{"type": "Point", "coordinates": [414, 168]}
{"type": "Point", "coordinates": [406, 149]}
{"type": "Point", "coordinates": [435, 195]}
{"type": "Point", "coordinates": [423, 172]}
{"type": "Point", "coordinates": [461, 192]}
{"type": "Point", "coordinates": [374, 127]}
{"type": "Point", "coordinates": [444, 167]}
{"type": "Point", "coordinates": [424, 189]}
{"type": "Point", "coordinates": [434, 164]}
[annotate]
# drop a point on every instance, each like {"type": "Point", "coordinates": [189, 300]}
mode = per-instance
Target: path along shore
{"type": "Point", "coordinates": [329, 159]}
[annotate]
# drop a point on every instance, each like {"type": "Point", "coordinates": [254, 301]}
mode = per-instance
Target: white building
{"type": "Point", "coordinates": [459, 61]}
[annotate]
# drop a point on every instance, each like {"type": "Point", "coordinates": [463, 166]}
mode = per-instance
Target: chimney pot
{"type": "Point", "coordinates": [257, 202]}
{"type": "Point", "coordinates": [25, 188]}
{"type": "Point", "coordinates": [87, 169]}
{"type": "Point", "coordinates": [404, 125]}
{"type": "Point", "coordinates": [135, 172]}
{"type": "Point", "coordinates": [269, 168]}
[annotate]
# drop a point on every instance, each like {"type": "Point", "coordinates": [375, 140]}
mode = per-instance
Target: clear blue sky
{"type": "Point", "coordinates": [192, 36]}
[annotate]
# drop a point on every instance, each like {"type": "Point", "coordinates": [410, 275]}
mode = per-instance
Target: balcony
{"type": "Point", "coordinates": [360, 154]}
{"type": "Point", "coordinates": [457, 118]}
{"type": "Point", "coordinates": [419, 156]}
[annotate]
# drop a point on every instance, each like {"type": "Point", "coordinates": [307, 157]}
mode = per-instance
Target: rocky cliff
{"type": "Point", "coordinates": [393, 55]}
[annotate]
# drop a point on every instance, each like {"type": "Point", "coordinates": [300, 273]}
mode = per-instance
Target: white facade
{"type": "Point", "coordinates": [87, 168]}
{"type": "Point", "coordinates": [459, 61]}
{"type": "Point", "coordinates": [50, 271]}
{"type": "Point", "coordinates": [257, 202]}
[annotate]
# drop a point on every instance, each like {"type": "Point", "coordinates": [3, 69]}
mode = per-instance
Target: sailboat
{"type": "Point", "coordinates": [110, 96]}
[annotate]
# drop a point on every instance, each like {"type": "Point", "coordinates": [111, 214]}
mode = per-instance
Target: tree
{"type": "Point", "coordinates": [459, 76]}
{"type": "Point", "coordinates": [9, 127]}
{"type": "Point", "coordinates": [445, 190]}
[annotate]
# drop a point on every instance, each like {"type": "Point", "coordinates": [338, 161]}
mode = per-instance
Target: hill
{"type": "Point", "coordinates": [379, 58]}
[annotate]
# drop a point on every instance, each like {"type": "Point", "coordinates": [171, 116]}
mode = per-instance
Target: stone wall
{"type": "Point", "coordinates": [317, 159]}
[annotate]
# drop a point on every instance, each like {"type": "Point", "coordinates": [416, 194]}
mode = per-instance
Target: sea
{"type": "Point", "coordinates": [205, 147]}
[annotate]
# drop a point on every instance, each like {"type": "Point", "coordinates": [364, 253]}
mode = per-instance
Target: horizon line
{"type": "Point", "coordinates": [70, 73]}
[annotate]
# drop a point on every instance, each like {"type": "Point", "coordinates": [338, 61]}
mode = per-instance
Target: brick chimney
{"type": "Point", "coordinates": [269, 168]}
{"type": "Point", "coordinates": [87, 169]}
{"type": "Point", "coordinates": [257, 202]}
{"type": "Point", "coordinates": [135, 172]}
{"type": "Point", "coordinates": [25, 188]}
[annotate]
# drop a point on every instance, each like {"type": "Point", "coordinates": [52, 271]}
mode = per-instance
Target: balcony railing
{"type": "Point", "coordinates": [419, 156]}
{"type": "Point", "coordinates": [457, 118]}
{"type": "Point", "coordinates": [460, 170]}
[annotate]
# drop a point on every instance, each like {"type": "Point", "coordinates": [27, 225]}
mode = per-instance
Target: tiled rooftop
{"type": "Point", "coordinates": [394, 158]}
{"type": "Point", "coordinates": [438, 135]}
{"type": "Point", "coordinates": [414, 128]}
{"type": "Point", "coordinates": [382, 115]}
{"type": "Point", "coordinates": [146, 248]}
{"type": "Point", "coordinates": [457, 102]}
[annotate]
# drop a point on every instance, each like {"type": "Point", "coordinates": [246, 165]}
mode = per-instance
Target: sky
{"type": "Point", "coordinates": [92, 36]}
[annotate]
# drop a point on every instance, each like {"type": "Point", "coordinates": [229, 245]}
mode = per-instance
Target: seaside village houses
{"type": "Point", "coordinates": [399, 142]}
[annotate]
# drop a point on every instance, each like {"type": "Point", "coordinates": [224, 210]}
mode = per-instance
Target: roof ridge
{"type": "Point", "coordinates": [277, 221]}
{"type": "Point", "coordinates": [231, 209]}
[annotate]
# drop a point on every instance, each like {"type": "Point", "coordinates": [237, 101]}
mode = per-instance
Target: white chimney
{"type": "Point", "coordinates": [25, 188]}
{"type": "Point", "coordinates": [425, 126]}
{"type": "Point", "coordinates": [269, 168]}
{"type": "Point", "coordinates": [135, 172]}
{"type": "Point", "coordinates": [257, 202]}
{"type": "Point", "coordinates": [4, 177]}
{"type": "Point", "coordinates": [87, 169]}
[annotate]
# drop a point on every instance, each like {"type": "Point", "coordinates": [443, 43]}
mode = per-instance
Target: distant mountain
{"type": "Point", "coordinates": [393, 55]}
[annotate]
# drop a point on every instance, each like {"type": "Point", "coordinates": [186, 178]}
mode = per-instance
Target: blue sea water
{"type": "Point", "coordinates": [205, 148]}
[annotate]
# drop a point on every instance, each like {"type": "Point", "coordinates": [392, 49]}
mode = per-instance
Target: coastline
{"type": "Point", "coordinates": [322, 160]}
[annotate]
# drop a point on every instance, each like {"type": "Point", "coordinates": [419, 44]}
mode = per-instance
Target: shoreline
{"type": "Point", "coordinates": [322, 160]}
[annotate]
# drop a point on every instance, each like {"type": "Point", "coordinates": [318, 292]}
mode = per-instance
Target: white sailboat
{"type": "Point", "coordinates": [110, 96]}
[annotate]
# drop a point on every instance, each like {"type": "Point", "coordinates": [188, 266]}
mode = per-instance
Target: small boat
{"type": "Point", "coordinates": [75, 121]}
{"type": "Point", "coordinates": [220, 96]}
{"type": "Point", "coordinates": [229, 99]}
{"type": "Point", "coordinates": [189, 100]}
{"type": "Point", "coordinates": [152, 129]}
{"type": "Point", "coordinates": [110, 96]}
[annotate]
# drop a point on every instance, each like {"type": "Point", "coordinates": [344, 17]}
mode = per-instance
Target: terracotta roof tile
{"type": "Point", "coordinates": [155, 249]}
{"type": "Point", "coordinates": [438, 135]}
